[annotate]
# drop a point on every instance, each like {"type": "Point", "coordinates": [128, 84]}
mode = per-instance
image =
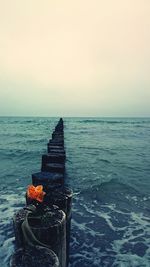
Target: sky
{"type": "Point", "coordinates": [75, 58]}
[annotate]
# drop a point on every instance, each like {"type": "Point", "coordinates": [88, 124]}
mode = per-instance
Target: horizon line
{"type": "Point", "coordinates": [56, 116]}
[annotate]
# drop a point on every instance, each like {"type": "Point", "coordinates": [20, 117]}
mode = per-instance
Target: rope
{"type": "Point", "coordinates": [28, 235]}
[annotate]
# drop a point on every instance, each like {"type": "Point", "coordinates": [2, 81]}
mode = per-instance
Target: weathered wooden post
{"type": "Point", "coordinates": [54, 167]}
{"type": "Point", "coordinates": [47, 230]}
{"type": "Point", "coordinates": [62, 197]}
{"type": "Point", "coordinates": [57, 142]}
{"type": "Point", "coordinates": [53, 162]}
{"type": "Point", "coordinates": [59, 128]}
{"type": "Point", "coordinates": [55, 148]}
{"type": "Point", "coordinates": [52, 157]}
{"type": "Point", "coordinates": [34, 257]}
{"type": "Point", "coordinates": [57, 135]}
{"type": "Point", "coordinates": [47, 179]}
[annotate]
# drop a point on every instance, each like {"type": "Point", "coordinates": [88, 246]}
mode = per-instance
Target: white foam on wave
{"type": "Point", "coordinates": [139, 223]}
{"type": "Point", "coordinates": [130, 245]}
{"type": "Point", "coordinates": [9, 205]}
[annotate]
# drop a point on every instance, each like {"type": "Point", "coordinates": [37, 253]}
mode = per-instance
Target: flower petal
{"type": "Point", "coordinates": [39, 188]}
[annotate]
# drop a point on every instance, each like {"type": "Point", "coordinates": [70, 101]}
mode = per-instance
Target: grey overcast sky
{"type": "Point", "coordinates": [75, 57]}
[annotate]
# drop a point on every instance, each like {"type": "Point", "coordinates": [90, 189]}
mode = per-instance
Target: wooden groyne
{"type": "Point", "coordinates": [42, 227]}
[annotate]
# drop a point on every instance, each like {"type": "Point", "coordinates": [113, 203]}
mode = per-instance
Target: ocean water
{"type": "Point", "coordinates": [108, 167]}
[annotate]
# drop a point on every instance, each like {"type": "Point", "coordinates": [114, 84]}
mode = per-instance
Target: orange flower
{"type": "Point", "coordinates": [36, 192]}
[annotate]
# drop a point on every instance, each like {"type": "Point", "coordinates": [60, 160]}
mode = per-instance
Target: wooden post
{"type": "Point", "coordinates": [62, 197]}
{"type": "Point", "coordinates": [47, 179]}
{"type": "Point", "coordinates": [54, 167]}
{"type": "Point", "coordinates": [57, 142]}
{"type": "Point", "coordinates": [51, 157]}
{"type": "Point", "coordinates": [59, 128]}
{"type": "Point", "coordinates": [55, 149]}
{"type": "Point", "coordinates": [53, 162]}
{"type": "Point", "coordinates": [57, 134]}
{"type": "Point", "coordinates": [34, 257]}
{"type": "Point", "coordinates": [50, 231]}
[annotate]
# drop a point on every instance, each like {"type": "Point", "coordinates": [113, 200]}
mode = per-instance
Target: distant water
{"type": "Point", "coordinates": [108, 167]}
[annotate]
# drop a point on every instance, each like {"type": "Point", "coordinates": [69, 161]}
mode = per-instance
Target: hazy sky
{"type": "Point", "coordinates": [75, 57]}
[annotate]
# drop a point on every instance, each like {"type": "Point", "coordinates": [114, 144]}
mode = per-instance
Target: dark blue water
{"type": "Point", "coordinates": [108, 167]}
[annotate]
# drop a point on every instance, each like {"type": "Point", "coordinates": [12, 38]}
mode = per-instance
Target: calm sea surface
{"type": "Point", "coordinates": [108, 167]}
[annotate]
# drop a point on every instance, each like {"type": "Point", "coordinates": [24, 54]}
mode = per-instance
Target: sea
{"type": "Point", "coordinates": [108, 168]}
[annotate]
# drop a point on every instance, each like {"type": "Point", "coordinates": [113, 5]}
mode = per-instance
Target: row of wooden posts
{"type": "Point", "coordinates": [42, 230]}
